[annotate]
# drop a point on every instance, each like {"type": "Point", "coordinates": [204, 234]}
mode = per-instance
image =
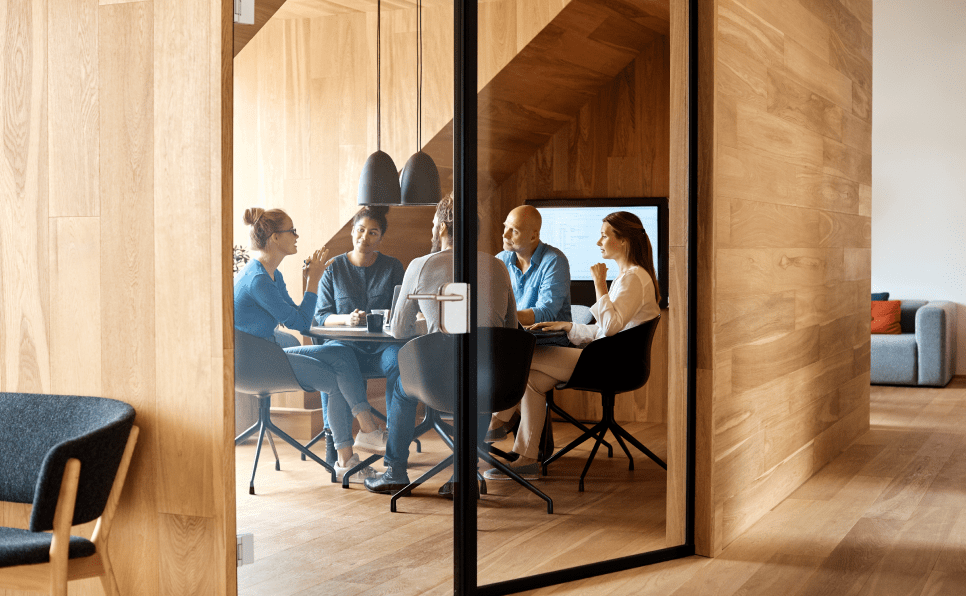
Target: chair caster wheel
{"type": "Point", "coordinates": [251, 489]}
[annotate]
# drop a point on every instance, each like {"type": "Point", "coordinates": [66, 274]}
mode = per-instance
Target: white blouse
{"type": "Point", "coordinates": [629, 302]}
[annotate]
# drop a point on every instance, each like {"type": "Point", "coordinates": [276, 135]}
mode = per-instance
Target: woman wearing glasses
{"type": "Point", "coordinates": [632, 299]}
{"type": "Point", "coordinates": [262, 303]}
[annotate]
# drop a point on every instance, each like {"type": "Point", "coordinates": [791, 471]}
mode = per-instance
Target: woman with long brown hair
{"type": "Point", "coordinates": [632, 299]}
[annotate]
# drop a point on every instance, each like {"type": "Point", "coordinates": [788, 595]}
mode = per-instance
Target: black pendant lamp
{"type": "Point", "coordinates": [379, 182]}
{"type": "Point", "coordinates": [420, 177]}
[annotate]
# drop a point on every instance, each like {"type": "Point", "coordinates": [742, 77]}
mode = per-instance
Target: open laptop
{"type": "Point", "coordinates": [392, 305]}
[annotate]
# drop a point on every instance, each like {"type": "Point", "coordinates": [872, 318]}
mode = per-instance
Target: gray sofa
{"type": "Point", "coordinates": [924, 353]}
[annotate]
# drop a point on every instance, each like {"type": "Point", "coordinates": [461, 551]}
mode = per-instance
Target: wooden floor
{"type": "Point", "coordinates": [887, 517]}
{"type": "Point", "coordinates": [313, 537]}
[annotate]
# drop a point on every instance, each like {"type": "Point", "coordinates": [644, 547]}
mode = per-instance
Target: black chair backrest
{"type": "Point", "coordinates": [619, 363]}
{"type": "Point", "coordinates": [261, 367]}
{"type": "Point", "coordinates": [39, 433]}
{"type": "Point", "coordinates": [427, 368]}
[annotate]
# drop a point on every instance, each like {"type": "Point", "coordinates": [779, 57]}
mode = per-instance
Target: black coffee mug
{"type": "Point", "coordinates": [374, 322]}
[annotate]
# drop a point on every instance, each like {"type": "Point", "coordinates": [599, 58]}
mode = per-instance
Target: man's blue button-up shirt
{"type": "Point", "coordinates": [545, 287]}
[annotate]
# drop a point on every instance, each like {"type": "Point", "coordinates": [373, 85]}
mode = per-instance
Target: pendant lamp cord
{"type": "Point", "coordinates": [378, 76]}
{"type": "Point", "coordinates": [419, 76]}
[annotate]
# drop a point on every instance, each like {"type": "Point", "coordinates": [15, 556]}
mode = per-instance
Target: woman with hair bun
{"type": "Point", "coordinates": [262, 303]}
{"type": "Point", "coordinates": [632, 299]}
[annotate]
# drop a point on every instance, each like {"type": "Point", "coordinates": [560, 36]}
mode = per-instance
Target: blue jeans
{"type": "Point", "coordinates": [384, 361]}
{"type": "Point", "coordinates": [333, 370]}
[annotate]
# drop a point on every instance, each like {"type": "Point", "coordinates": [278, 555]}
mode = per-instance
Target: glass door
{"type": "Point", "coordinates": [578, 152]}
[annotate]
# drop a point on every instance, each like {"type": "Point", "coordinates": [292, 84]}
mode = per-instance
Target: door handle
{"type": "Point", "coordinates": [454, 310]}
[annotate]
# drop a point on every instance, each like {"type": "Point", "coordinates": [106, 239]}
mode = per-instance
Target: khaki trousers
{"type": "Point", "coordinates": [550, 365]}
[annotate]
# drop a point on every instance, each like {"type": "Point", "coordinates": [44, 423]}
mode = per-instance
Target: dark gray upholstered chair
{"type": "Point", "coordinates": [503, 364]}
{"type": "Point", "coordinates": [612, 365]}
{"type": "Point", "coordinates": [68, 456]}
{"type": "Point", "coordinates": [262, 370]}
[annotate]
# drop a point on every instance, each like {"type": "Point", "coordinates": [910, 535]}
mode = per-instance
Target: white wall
{"type": "Point", "coordinates": [919, 153]}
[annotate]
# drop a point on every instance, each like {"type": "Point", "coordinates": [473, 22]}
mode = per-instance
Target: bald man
{"type": "Point", "coordinates": [540, 273]}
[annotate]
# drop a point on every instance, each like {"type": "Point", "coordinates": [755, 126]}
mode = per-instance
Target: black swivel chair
{"type": "Point", "coordinates": [261, 370]}
{"type": "Point", "coordinates": [503, 364]}
{"type": "Point", "coordinates": [612, 365]}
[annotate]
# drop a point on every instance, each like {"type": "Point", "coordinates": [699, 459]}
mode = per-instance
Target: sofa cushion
{"type": "Point", "coordinates": [885, 317]}
{"type": "Point", "coordinates": [909, 309]}
{"type": "Point", "coordinates": [880, 296]}
{"type": "Point", "coordinates": [894, 359]}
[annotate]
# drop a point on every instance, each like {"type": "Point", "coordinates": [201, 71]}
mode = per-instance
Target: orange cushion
{"type": "Point", "coordinates": [885, 317]}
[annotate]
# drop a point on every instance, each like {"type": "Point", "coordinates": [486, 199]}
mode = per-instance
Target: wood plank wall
{"type": "Point", "coordinates": [114, 263]}
{"type": "Point", "coordinates": [617, 146]}
{"type": "Point", "coordinates": [305, 100]}
{"type": "Point", "coordinates": [789, 253]}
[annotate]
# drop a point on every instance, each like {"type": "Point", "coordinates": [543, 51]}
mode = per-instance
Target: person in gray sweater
{"type": "Point", "coordinates": [496, 307]}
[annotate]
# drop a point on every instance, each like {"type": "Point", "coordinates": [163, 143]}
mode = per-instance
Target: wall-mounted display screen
{"type": "Point", "coordinates": [573, 226]}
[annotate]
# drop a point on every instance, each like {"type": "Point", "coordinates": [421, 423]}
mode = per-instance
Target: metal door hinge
{"type": "Point", "coordinates": [244, 549]}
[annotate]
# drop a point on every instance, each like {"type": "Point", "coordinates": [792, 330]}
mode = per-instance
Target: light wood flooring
{"type": "Point", "coordinates": [313, 537]}
{"type": "Point", "coordinates": [887, 517]}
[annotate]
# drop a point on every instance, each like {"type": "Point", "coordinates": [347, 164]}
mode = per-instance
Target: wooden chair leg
{"type": "Point", "coordinates": [108, 581]}
{"type": "Point", "coordinates": [63, 518]}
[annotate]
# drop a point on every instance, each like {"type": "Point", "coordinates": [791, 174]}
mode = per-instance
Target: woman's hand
{"type": "Point", "coordinates": [552, 326]}
{"type": "Point", "coordinates": [315, 265]}
{"type": "Point", "coordinates": [599, 272]}
{"type": "Point", "coordinates": [355, 318]}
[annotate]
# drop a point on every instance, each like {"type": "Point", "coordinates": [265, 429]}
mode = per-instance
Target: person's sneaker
{"type": "Point", "coordinates": [371, 442]}
{"type": "Point", "coordinates": [527, 471]}
{"type": "Point", "coordinates": [360, 476]}
{"type": "Point", "coordinates": [389, 482]}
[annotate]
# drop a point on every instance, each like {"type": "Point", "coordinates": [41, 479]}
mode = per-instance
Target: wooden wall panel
{"type": "Point", "coordinates": [182, 155]}
{"type": "Point", "coordinates": [117, 287]}
{"type": "Point", "coordinates": [24, 351]}
{"type": "Point", "coordinates": [73, 112]}
{"type": "Point", "coordinates": [677, 322]}
{"type": "Point", "coordinates": [790, 249]}
{"type": "Point", "coordinates": [75, 305]}
{"type": "Point", "coordinates": [126, 99]}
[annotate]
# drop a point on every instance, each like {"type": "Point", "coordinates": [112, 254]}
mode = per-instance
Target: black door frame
{"type": "Point", "coordinates": [465, 19]}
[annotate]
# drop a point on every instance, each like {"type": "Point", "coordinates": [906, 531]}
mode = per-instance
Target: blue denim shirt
{"type": "Point", "coordinates": [345, 287]}
{"type": "Point", "coordinates": [545, 287]}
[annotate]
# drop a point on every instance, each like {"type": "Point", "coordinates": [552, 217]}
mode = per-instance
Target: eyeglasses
{"type": "Point", "coordinates": [283, 231]}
